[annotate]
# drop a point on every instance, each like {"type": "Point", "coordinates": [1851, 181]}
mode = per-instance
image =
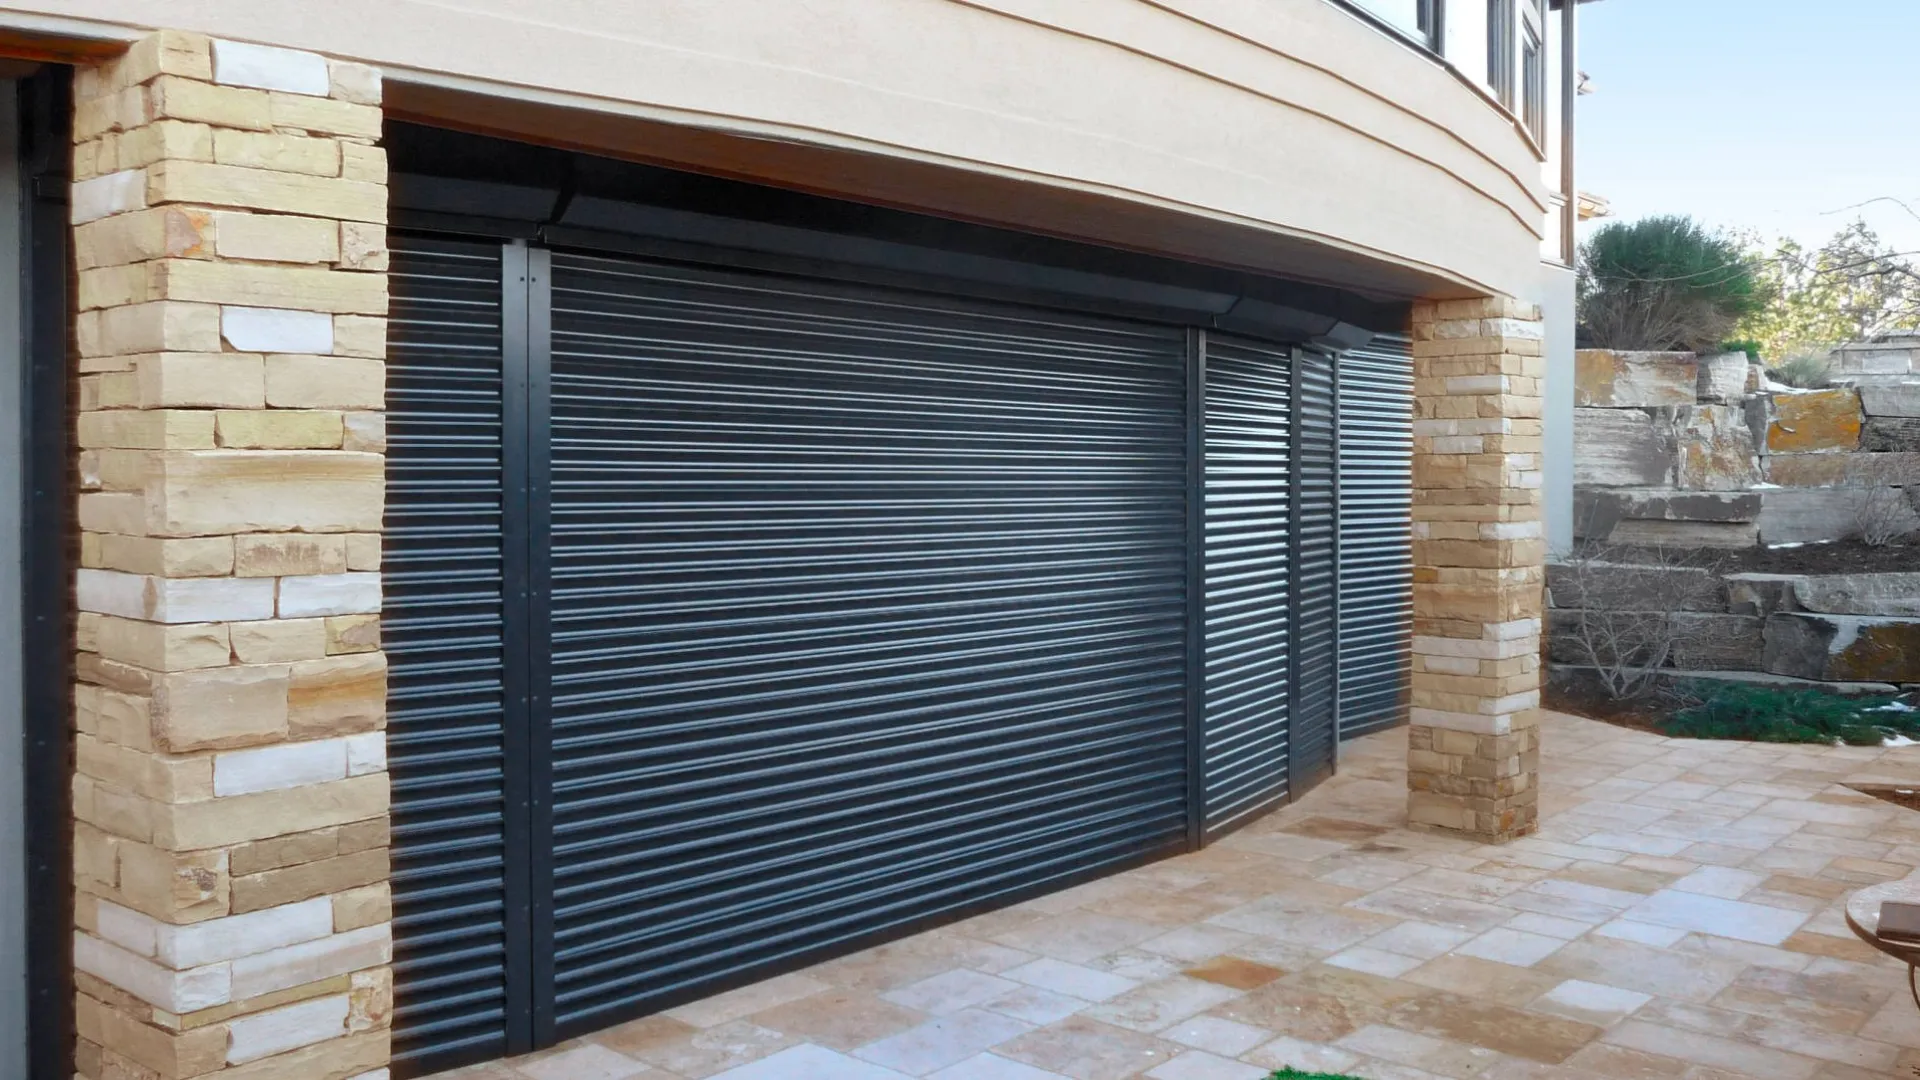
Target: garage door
{"type": "Point", "coordinates": [737, 619]}
{"type": "Point", "coordinates": [1376, 542]}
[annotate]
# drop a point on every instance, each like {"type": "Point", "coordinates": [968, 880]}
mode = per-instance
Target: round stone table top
{"type": "Point", "coordinates": [1863, 915]}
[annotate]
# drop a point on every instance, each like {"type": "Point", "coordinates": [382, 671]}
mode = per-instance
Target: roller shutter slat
{"type": "Point", "coordinates": [1376, 546]}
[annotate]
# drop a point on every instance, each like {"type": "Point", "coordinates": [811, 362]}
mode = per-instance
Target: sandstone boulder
{"type": "Point", "coordinates": [1896, 594]}
{"type": "Point", "coordinates": [1834, 470]}
{"type": "Point", "coordinates": [1761, 594]}
{"type": "Point", "coordinates": [1686, 534]}
{"type": "Point", "coordinates": [1843, 647]}
{"type": "Point", "coordinates": [1622, 448]}
{"type": "Point", "coordinates": [1723, 378]}
{"type": "Point", "coordinates": [1597, 510]}
{"type": "Point", "coordinates": [1891, 399]}
{"type": "Point", "coordinates": [1809, 515]}
{"type": "Point", "coordinates": [1891, 434]}
{"type": "Point", "coordinates": [1815, 420]}
{"type": "Point", "coordinates": [1714, 449]}
{"type": "Point", "coordinates": [1605, 378]}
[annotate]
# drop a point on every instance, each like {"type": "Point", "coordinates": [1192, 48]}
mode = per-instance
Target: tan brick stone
{"type": "Point", "coordinates": [218, 185]}
{"type": "Point", "coordinates": [361, 336]}
{"type": "Point", "coordinates": [150, 429]}
{"type": "Point", "coordinates": [279, 852]}
{"type": "Point", "coordinates": [116, 716]}
{"type": "Point", "coordinates": [363, 246]}
{"type": "Point", "coordinates": [361, 162]}
{"type": "Point", "coordinates": [220, 1014]}
{"type": "Point", "coordinates": [273, 150]}
{"type": "Point", "coordinates": [172, 886]}
{"type": "Point", "coordinates": [163, 140]}
{"type": "Point", "coordinates": [338, 696]}
{"type": "Point", "coordinates": [164, 52]}
{"type": "Point", "coordinates": [363, 551]}
{"type": "Point", "coordinates": [358, 83]}
{"type": "Point", "coordinates": [160, 646]}
{"type": "Point", "coordinates": [162, 777]}
{"type": "Point", "coordinates": [112, 390]}
{"type": "Point", "coordinates": [272, 888]}
{"type": "Point", "coordinates": [365, 906]}
{"type": "Point", "coordinates": [335, 1059]}
{"type": "Point", "coordinates": [170, 232]}
{"type": "Point", "coordinates": [352, 634]}
{"type": "Point", "coordinates": [158, 327]}
{"type": "Point", "coordinates": [280, 641]}
{"type": "Point", "coordinates": [235, 491]}
{"type": "Point", "coordinates": [256, 285]}
{"type": "Point", "coordinates": [370, 1006]}
{"type": "Point", "coordinates": [86, 632]}
{"type": "Point", "coordinates": [326, 382]}
{"type": "Point", "coordinates": [221, 708]}
{"type": "Point", "coordinates": [210, 556]}
{"type": "Point", "coordinates": [120, 286]}
{"type": "Point", "coordinates": [169, 1054]}
{"type": "Point", "coordinates": [275, 237]}
{"type": "Point", "coordinates": [281, 554]}
{"type": "Point", "coordinates": [174, 98]}
{"type": "Point", "coordinates": [240, 818]}
{"type": "Point", "coordinates": [280, 429]}
{"type": "Point", "coordinates": [325, 116]}
{"type": "Point", "coordinates": [366, 432]}
{"type": "Point", "coordinates": [199, 380]}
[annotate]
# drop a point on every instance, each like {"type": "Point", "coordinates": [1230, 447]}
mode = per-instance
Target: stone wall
{"type": "Point", "coordinates": [232, 910]}
{"type": "Point", "coordinates": [1842, 628]}
{"type": "Point", "coordinates": [1677, 450]}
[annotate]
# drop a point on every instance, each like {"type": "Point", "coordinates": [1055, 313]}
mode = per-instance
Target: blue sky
{"type": "Point", "coordinates": [1754, 114]}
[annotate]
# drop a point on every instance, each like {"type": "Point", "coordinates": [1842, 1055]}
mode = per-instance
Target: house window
{"type": "Point", "coordinates": [1501, 20]}
{"type": "Point", "coordinates": [1414, 18]}
{"type": "Point", "coordinates": [1533, 83]}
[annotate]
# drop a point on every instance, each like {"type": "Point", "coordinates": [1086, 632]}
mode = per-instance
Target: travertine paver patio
{"type": "Point", "coordinates": [1679, 915]}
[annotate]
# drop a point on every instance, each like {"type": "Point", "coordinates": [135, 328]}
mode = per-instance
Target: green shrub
{"type": "Point", "coordinates": [1663, 283]}
{"type": "Point", "coordinates": [1751, 348]}
{"type": "Point", "coordinates": [1786, 715]}
{"type": "Point", "coordinates": [1806, 371]}
{"type": "Point", "coordinates": [1290, 1074]}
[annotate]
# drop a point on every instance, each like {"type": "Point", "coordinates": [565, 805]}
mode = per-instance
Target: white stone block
{"type": "Point", "coordinates": [235, 936]}
{"type": "Point", "coordinates": [1502, 649]}
{"type": "Point", "coordinates": [1458, 444]}
{"type": "Point", "coordinates": [277, 1031]}
{"type": "Point", "coordinates": [103, 196]}
{"type": "Point", "coordinates": [1451, 665]}
{"type": "Point", "coordinates": [312, 961]}
{"type": "Point", "coordinates": [366, 753]}
{"type": "Point", "coordinates": [329, 594]}
{"type": "Point", "coordinates": [1516, 629]}
{"type": "Point", "coordinates": [1512, 703]}
{"type": "Point", "coordinates": [175, 991]}
{"type": "Point", "coordinates": [275, 768]}
{"type": "Point", "coordinates": [1525, 329]}
{"type": "Point", "coordinates": [174, 600]}
{"type": "Point", "coordinates": [377, 1074]}
{"type": "Point", "coordinates": [112, 592]}
{"type": "Point", "coordinates": [1471, 723]}
{"type": "Point", "coordinates": [1511, 530]}
{"type": "Point", "coordinates": [1477, 384]}
{"type": "Point", "coordinates": [127, 928]}
{"type": "Point", "coordinates": [263, 67]}
{"type": "Point", "coordinates": [277, 330]}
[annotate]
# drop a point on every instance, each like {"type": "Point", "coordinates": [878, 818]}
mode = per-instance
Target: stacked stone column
{"type": "Point", "coordinates": [232, 909]}
{"type": "Point", "coordinates": [1478, 556]}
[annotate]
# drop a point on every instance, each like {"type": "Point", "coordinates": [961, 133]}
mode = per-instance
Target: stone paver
{"type": "Point", "coordinates": [1679, 914]}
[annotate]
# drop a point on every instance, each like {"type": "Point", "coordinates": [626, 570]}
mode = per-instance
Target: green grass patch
{"type": "Point", "coordinates": [1754, 713]}
{"type": "Point", "coordinates": [1295, 1074]}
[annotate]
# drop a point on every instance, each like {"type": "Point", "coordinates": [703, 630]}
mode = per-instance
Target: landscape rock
{"type": "Point", "coordinates": [1634, 587]}
{"type": "Point", "coordinates": [1815, 420]}
{"type": "Point", "coordinates": [1891, 434]}
{"type": "Point", "coordinates": [1622, 448]}
{"type": "Point", "coordinates": [1761, 594]}
{"type": "Point", "coordinates": [1714, 449]}
{"type": "Point", "coordinates": [1833, 470]}
{"type": "Point", "coordinates": [1896, 594]}
{"type": "Point", "coordinates": [1686, 534]}
{"type": "Point", "coordinates": [1597, 510]}
{"type": "Point", "coordinates": [1723, 378]}
{"type": "Point", "coordinates": [1843, 647]}
{"type": "Point", "coordinates": [1715, 641]}
{"type": "Point", "coordinates": [1606, 378]}
{"type": "Point", "coordinates": [1756, 378]}
{"type": "Point", "coordinates": [1891, 399]}
{"type": "Point", "coordinates": [1809, 515]}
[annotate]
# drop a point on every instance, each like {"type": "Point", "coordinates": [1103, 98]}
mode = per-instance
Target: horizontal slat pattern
{"type": "Point", "coordinates": [442, 568]}
{"type": "Point", "coordinates": [866, 608]}
{"type": "Point", "coordinates": [1248, 449]}
{"type": "Point", "coordinates": [1376, 554]}
{"type": "Point", "coordinates": [1315, 573]}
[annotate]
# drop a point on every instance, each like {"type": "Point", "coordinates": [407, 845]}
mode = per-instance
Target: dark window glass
{"type": "Point", "coordinates": [1500, 27]}
{"type": "Point", "coordinates": [1533, 82]}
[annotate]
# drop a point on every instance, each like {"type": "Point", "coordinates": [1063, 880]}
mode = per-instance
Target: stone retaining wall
{"type": "Point", "coordinates": [1677, 450]}
{"type": "Point", "coordinates": [1849, 628]}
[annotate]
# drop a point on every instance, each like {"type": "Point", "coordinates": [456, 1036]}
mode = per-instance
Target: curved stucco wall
{"type": "Point", "coordinates": [1283, 119]}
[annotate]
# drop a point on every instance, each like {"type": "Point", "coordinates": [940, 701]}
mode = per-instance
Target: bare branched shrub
{"type": "Point", "coordinates": [1888, 510]}
{"type": "Point", "coordinates": [1625, 599]}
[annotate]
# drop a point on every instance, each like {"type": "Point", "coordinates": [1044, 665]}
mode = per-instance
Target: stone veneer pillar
{"type": "Point", "coordinates": [1473, 754]}
{"type": "Point", "coordinates": [232, 910]}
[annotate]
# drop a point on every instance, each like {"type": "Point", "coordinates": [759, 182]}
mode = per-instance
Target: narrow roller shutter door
{"type": "Point", "coordinates": [1376, 544]}
{"type": "Point", "coordinates": [867, 608]}
{"type": "Point", "coordinates": [442, 632]}
{"type": "Point", "coordinates": [1249, 530]}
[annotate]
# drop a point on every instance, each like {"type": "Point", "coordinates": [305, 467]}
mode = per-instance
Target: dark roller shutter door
{"type": "Point", "coordinates": [866, 608]}
{"type": "Point", "coordinates": [1249, 453]}
{"type": "Point", "coordinates": [1376, 552]}
{"type": "Point", "coordinates": [1315, 572]}
{"type": "Point", "coordinates": [444, 610]}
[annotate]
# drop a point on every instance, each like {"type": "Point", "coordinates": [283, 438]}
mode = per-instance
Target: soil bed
{"type": "Point", "coordinates": [1841, 557]}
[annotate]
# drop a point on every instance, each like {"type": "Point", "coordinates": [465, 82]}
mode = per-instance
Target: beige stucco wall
{"type": "Point", "coordinates": [1288, 120]}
